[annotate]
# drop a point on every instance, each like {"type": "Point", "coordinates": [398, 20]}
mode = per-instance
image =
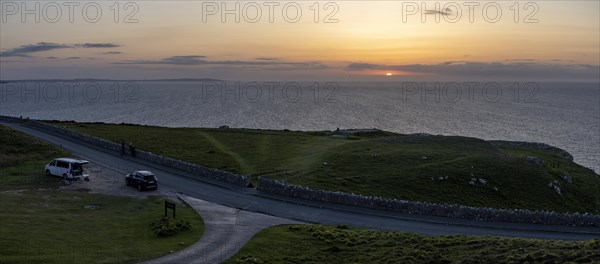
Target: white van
{"type": "Point", "coordinates": [68, 169]}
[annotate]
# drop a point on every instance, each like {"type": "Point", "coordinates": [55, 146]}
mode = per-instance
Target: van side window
{"type": "Point", "coordinates": [53, 163]}
{"type": "Point", "coordinates": [62, 164]}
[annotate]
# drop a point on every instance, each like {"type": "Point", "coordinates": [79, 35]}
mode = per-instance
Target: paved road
{"type": "Point", "coordinates": [226, 231]}
{"type": "Point", "coordinates": [249, 199]}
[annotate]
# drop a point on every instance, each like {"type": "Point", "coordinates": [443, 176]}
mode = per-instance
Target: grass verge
{"type": "Point", "coordinates": [330, 244]}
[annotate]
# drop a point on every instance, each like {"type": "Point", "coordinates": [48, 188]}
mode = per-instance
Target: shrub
{"type": "Point", "coordinates": [166, 226]}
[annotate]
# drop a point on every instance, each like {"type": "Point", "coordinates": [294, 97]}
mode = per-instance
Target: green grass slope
{"type": "Point", "coordinates": [328, 244]}
{"type": "Point", "coordinates": [410, 167]}
{"type": "Point", "coordinates": [423, 168]}
{"type": "Point", "coordinates": [22, 160]}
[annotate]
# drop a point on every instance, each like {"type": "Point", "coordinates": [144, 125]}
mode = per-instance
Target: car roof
{"type": "Point", "coordinates": [145, 173]}
{"type": "Point", "coordinates": [69, 160]}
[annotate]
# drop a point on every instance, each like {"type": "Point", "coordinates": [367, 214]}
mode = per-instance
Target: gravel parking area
{"type": "Point", "coordinates": [112, 182]}
{"type": "Point", "coordinates": [226, 229]}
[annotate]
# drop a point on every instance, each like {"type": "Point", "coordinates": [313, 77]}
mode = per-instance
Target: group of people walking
{"type": "Point", "coordinates": [131, 148]}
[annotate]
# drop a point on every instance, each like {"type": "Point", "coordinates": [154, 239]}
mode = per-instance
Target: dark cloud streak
{"type": "Point", "coordinates": [265, 58]}
{"type": "Point", "coordinates": [445, 12]}
{"type": "Point", "coordinates": [192, 60]}
{"type": "Point", "coordinates": [111, 52]}
{"type": "Point", "coordinates": [97, 45]}
{"type": "Point", "coordinates": [359, 66]}
{"type": "Point", "coordinates": [25, 50]}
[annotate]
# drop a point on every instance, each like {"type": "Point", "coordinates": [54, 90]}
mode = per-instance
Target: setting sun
{"type": "Point", "coordinates": [389, 74]}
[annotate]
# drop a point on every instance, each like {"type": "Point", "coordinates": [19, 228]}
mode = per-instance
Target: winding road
{"type": "Point", "coordinates": [251, 200]}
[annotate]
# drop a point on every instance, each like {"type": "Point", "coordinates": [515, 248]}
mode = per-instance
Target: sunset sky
{"type": "Point", "coordinates": [171, 40]}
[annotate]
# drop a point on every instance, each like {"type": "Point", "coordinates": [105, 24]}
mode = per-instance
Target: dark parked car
{"type": "Point", "coordinates": [142, 180]}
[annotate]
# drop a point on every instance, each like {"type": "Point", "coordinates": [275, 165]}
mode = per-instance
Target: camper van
{"type": "Point", "coordinates": [68, 169]}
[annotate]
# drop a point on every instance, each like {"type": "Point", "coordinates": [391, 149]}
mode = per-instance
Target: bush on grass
{"type": "Point", "coordinates": [166, 226]}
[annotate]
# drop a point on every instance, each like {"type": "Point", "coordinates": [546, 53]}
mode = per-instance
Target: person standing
{"type": "Point", "coordinates": [122, 147]}
{"type": "Point", "coordinates": [132, 149]}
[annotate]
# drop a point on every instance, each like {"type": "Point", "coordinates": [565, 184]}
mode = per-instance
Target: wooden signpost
{"type": "Point", "coordinates": [169, 205]}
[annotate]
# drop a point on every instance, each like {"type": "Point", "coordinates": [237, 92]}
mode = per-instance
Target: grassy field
{"type": "Point", "coordinates": [241, 151]}
{"type": "Point", "coordinates": [424, 168]}
{"type": "Point", "coordinates": [22, 160]}
{"type": "Point", "coordinates": [329, 244]}
{"type": "Point", "coordinates": [39, 223]}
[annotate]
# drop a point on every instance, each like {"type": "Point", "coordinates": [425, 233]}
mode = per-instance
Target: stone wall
{"type": "Point", "coordinates": [9, 119]}
{"type": "Point", "coordinates": [195, 169]}
{"type": "Point", "coordinates": [424, 208]}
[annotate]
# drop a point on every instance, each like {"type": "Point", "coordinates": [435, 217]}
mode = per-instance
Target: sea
{"type": "Point", "coordinates": [565, 115]}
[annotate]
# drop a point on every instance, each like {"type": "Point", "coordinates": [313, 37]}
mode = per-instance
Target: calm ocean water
{"type": "Point", "coordinates": [560, 114]}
